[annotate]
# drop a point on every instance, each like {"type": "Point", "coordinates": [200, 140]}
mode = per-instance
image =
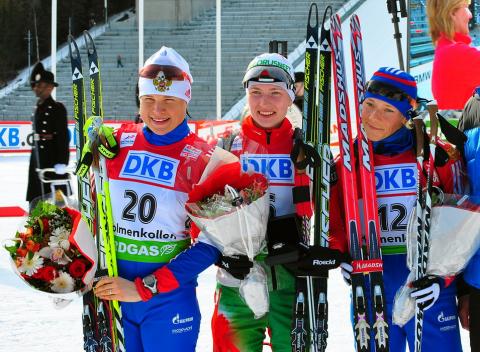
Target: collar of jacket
{"type": "Point", "coordinates": [177, 134]}
{"type": "Point", "coordinates": [266, 136]}
{"type": "Point", "coordinates": [457, 38]}
{"type": "Point", "coordinates": [399, 142]}
{"type": "Point", "coordinates": [49, 100]}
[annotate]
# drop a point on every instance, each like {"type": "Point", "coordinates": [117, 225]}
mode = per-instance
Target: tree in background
{"type": "Point", "coordinates": [17, 17]}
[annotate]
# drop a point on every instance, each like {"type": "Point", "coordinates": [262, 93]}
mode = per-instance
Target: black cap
{"type": "Point", "coordinates": [39, 74]}
{"type": "Point", "coordinates": [299, 77]}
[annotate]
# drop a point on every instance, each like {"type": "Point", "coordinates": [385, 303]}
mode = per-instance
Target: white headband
{"type": "Point", "coordinates": [162, 86]}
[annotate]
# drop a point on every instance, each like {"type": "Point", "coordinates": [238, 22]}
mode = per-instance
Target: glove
{"type": "Point", "coordinates": [313, 260]}
{"type": "Point", "coordinates": [60, 169]}
{"type": "Point", "coordinates": [427, 291]}
{"type": "Point", "coordinates": [284, 253]}
{"type": "Point", "coordinates": [236, 265]}
{"type": "Point", "coordinates": [346, 269]}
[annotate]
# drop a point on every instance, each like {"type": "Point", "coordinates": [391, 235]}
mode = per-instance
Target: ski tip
{"type": "Point", "coordinates": [355, 24]}
{"type": "Point", "coordinates": [327, 14]}
{"type": "Point", "coordinates": [75, 52]}
{"type": "Point", "coordinates": [335, 23]}
{"type": "Point", "coordinates": [89, 43]}
{"type": "Point", "coordinates": [310, 12]}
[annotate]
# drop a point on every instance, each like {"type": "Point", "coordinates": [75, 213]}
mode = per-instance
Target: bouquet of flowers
{"type": "Point", "coordinates": [231, 209]}
{"type": "Point", "coordinates": [454, 239]}
{"type": "Point", "coordinates": [54, 251]}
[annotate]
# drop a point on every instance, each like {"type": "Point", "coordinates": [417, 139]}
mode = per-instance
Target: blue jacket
{"type": "Point", "coordinates": [472, 157]}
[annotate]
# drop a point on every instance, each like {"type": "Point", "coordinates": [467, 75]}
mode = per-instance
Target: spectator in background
{"type": "Point", "coordinates": [299, 89]}
{"type": "Point", "coordinates": [456, 64]}
{"type": "Point", "coordinates": [119, 61]}
{"type": "Point", "coordinates": [91, 21]}
{"type": "Point", "coordinates": [49, 125]}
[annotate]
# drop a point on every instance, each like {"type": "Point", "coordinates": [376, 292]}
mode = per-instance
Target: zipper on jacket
{"type": "Point", "coordinates": [274, 278]}
{"type": "Point", "coordinates": [269, 133]}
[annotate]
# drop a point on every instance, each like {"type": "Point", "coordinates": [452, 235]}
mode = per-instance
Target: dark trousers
{"type": "Point", "coordinates": [475, 319]}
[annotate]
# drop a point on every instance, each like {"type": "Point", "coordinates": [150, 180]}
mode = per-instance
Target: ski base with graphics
{"type": "Point", "coordinates": [369, 196]}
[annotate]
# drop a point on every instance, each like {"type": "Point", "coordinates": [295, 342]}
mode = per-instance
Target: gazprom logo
{"type": "Point", "coordinates": [275, 167]}
{"type": "Point", "coordinates": [144, 166]}
{"type": "Point", "coordinates": [396, 179]}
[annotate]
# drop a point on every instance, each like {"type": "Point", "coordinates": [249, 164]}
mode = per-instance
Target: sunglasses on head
{"type": "Point", "coordinates": [268, 75]}
{"type": "Point", "coordinates": [171, 73]}
{"type": "Point", "coordinates": [386, 90]}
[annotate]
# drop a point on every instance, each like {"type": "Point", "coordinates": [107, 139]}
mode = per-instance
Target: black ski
{"type": "Point", "coordinates": [321, 178]}
{"type": "Point", "coordinates": [108, 312]}
{"type": "Point", "coordinates": [312, 160]}
{"type": "Point", "coordinates": [100, 328]}
{"type": "Point", "coordinates": [85, 201]}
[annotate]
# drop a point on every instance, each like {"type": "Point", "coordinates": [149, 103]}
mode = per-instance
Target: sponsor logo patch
{"type": "Point", "coordinates": [149, 167]}
{"type": "Point", "coordinates": [177, 320]}
{"type": "Point", "coordinates": [442, 318]}
{"type": "Point", "coordinates": [190, 152]}
{"type": "Point", "coordinates": [127, 139]}
{"type": "Point", "coordinates": [396, 179]}
{"type": "Point", "coordinates": [236, 145]}
{"type": "Point", "coordinates": [367, 266]}
{"type": "Point", "coordinates": [275, 167]}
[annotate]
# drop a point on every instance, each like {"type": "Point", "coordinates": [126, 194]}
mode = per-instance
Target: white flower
{"type": "Point", "coordinates": [31, 266]}
{"type": "Point", "coordinates": [59, 238]}
{"type": "Point", "coordinates": [63, 283]}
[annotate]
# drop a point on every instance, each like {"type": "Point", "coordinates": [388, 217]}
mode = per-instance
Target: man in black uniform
{"type": "Point", "coordinates": [299, 89]}
{"type": "Point", "coordinates": [49, 123]}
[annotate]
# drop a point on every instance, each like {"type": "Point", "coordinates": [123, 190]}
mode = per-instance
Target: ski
{"type": "Point", "coordinates": [322, 175]}
{"type": "Point", "coordinates": [369, 195]}
{"type": "Point", "coordinates": [108, 312]}
{"type": "Point", "coordinates": [349, 185]}
{"type": "Point", "coordinates": [312, 150]}
{"type": "Point", "coordinates": [101, 319]}
{"type": "Point", "coordinates": [86, 205]}
{"type": "Point", "coordinates": [424, 209]}
{"type": "Point", "coordinates": [303, 323]}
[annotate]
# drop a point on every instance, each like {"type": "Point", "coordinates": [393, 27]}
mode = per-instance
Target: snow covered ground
{"type": "Point", "coordinates": [28, 321]}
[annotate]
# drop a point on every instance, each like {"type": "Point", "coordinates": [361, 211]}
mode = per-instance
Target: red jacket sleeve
{"type": "Point", "coordinates": [338, 237]}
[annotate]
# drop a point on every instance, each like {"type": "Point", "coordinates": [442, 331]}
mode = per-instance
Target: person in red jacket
{"type": "Point", "coordinates": [456, 64]}
{"type": "Point", "coordinates": [157, 165]}
{"type": "Point", "coordinates": [387, 111]}
{"type": "Point", "coordinates": [264, 145]}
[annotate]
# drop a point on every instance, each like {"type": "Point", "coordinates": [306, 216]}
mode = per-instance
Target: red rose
{"type": "Point", "coordinates": [77, 268]}
{"type": "Point", "coordinates": [46, 273]}
{"type": "Point", "coordinates": [49, 273]}
{"type": "Point", "coordinates": [22, 252]}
